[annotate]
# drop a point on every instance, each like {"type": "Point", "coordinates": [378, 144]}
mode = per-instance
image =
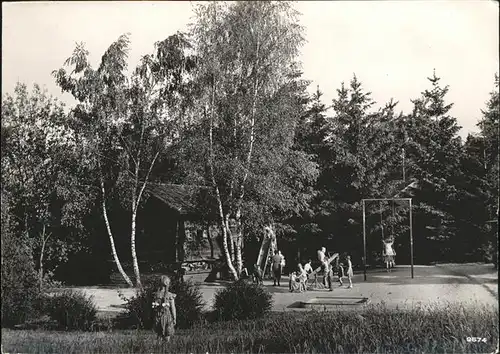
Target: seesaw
{"type": "Point", "coordinates": [314, 274]}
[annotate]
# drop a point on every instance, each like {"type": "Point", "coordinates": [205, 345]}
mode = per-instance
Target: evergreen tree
{"type": "Point", "coordinates": [490, 133]}
{"type": "Point", "coordinates": [434, 152]}
{"type": "Point", "coordinates": [310, 135]}
{"type": "Point", "coordinates": [473, 230]}
{"type": "Point", "coordinates": [487, 153]}
{"type": "Point", "coordinates": [363, 153]}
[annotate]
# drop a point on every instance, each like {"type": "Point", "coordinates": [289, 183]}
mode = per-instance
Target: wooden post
{"type": "Point", "coordinates": [181, 239]}
{"type": "Point", "coordinates": [210, 241]}
{"type": "Point", "coordinates": [411, 240]}
{"type": "Point", "coordinates": [364, 241]}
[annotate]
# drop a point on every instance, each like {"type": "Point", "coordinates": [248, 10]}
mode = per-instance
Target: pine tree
{"type": "Point", "coordinates": [490, 133]}
{"type": "Point", "coordinates": [363, 152]}
{"type": "Point", "coordinates": [489, 156]}
{"type": "Point", "coordinates": [434, 153]}
{"type": "Point", "coordinates": [310, 135]}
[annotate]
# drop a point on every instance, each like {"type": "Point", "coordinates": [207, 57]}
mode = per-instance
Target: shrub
{"type": "Point", "coordinates": [188, 303]}
{"type": "Point", "coordinates": [242, 300]}
{"type": "Point", "coordinates": [72, 310]}
{"type": "Point", "coordinates": [372, 330]}
{"type": "Point", "coordinates": [20, 290]}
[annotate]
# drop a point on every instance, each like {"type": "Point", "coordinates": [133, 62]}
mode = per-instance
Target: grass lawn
{"type": "Point", "coordinates": [375, 329]}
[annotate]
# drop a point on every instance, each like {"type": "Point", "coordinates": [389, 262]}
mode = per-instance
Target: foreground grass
{"type": "Point", "coordinates": [375, 329]}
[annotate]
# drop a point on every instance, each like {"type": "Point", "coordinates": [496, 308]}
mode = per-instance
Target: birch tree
{"type": "Point", "coordinates": [127, 121]}
{"type": "Point", "coordinates": [247, 52]}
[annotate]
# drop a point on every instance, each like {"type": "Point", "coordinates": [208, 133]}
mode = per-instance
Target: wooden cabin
{"type": "Point", "coordinates": [177, 224]}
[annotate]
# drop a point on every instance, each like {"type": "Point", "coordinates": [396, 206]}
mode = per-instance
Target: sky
{"type": "Point", "coordinates": [391, 46]}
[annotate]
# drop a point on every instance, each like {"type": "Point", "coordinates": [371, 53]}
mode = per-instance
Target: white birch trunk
{"type": "Point", "coordinates": [230, 237]}
{"type": "Point", "coordinates": [111, 239]}
{"type": "Point", "coordinates": [227, 255]}
{"type": "Point", "coordinates": [239, 244]}
{"type": "Point", "coordinates": [42, 251]}
{"type": "Point", "coordinates": [136, 199]}
{"type": "Point", "coordinates": [133, 250]}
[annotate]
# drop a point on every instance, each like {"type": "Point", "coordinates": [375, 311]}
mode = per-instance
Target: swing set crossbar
{"type": "Point", "coordinates": [385, 199]}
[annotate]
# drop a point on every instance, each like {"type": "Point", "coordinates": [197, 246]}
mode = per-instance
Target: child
{"type": "Point", "coordinates": [283, 262]}
{"type": "Point", "coordinates": [164, 308]}
{"type": "Point", "coordinates": [350, 273]}
{"type": "Point", "coordinates": [324, 263]}
{"type": "Point", "coordinates": [302, 278]}
{"type": "Point", "coordinates": [257, 274]}
{"type": "Point", "coordinates": [340, 272]}
{"type": "Point", "coordinates": [308, 268]}
{"type": "Point", "coordinates": [388, 253]}
{"type": "Point", "coordinates": [330, 277]}
{"type": "Point", "coordinates": [293, 282]}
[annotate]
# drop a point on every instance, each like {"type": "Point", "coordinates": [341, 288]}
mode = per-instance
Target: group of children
{"type": "Point", "coordinates": [298, 280]}
{"type": "Point", "coordinates": [165, 314]}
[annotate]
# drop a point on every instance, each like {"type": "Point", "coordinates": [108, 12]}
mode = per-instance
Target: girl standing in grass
{"type": "Point", "coordinates": [165, 312]}
{"type": "Point", "coordinates": [350, 273]}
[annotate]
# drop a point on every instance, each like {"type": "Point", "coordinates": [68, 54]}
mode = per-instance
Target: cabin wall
{"type": "Point", "coordinates": [197, 244]}
{"type": "Point", "coordinates": [167, 236]}
{"type": "Point", "coordinates": [158, 239]}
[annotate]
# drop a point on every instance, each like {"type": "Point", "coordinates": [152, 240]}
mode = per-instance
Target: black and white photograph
{"type": "Point", "coordinates": [250, 176]}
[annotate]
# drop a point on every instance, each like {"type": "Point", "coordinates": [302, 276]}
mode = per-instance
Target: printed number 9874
{"type": "Point", "coordinates": [476, 340]}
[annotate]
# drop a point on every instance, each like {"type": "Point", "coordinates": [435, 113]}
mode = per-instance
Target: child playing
{"type": "Point", "coordinates": [283, 262]}
{"type": "Point", "coordinates": [308, 268]}
{"type": "Point", "coordinates": [257, 274]}
{"type": "Point", "coordinates": [330, 276]}
{"type": "Point", "coordinates": [293, 282]}
{"type": "Point", "coordinates": [302, 278]}
{"type": "Point", "coordinates": [388, 253]}
{"type": "Point", "coordinates": [350, 273]}
{"type": "Point", "coordinates": [340, 272]}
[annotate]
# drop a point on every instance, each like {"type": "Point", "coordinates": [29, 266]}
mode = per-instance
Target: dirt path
{"type": "Point", "coordinates": [469, 284]}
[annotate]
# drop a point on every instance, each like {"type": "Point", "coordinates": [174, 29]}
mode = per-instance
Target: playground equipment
{"type": "Point", "coordinates": [314, 274]}
{"type": "Point", "coordinates": [269, 244]}
{"type": "Point", "coordinates": [393, 200]}
{"type": "Point", "coordinates": [388, 252]}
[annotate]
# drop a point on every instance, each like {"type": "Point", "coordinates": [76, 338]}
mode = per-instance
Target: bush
{"type": "Point", "coordinates": [188, 303]}
{"type": "Point", "coordinates": [20, 290]}
{"type": "Point", "coordinates": [72, 310]}
{"type": "Point", "coordinates": [372, 330]}
{"type": "Point", "coordinates": [242, 300]}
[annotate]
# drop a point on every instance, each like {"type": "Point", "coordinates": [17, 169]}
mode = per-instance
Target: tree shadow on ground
{"type": "Point", "coordinates": [470, 269]}
{"type": "Point", "coordinates": [428, 275]}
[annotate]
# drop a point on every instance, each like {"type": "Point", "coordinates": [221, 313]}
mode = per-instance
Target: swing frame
{"type": "Point", "coordinates": [364, 227]}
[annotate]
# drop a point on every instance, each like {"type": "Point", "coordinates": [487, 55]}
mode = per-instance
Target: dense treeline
{"type": "Point", "coordinates": [226, 106]}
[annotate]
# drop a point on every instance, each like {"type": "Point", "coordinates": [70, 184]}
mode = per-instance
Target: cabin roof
{"type": "Point", "coordinates": [185, 199]}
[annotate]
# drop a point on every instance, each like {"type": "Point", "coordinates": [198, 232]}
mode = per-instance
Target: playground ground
{"type": "Point", "coordinates": [468, 284]}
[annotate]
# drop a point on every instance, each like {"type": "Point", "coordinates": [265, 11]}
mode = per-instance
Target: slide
{"type": "Point", "coordinates": [266, 249]}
